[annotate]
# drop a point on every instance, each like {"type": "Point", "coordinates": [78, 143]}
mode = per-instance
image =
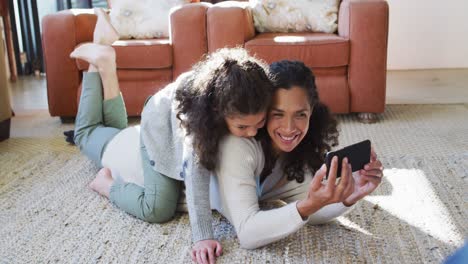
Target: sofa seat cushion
{"type": "Point", "coordinates": [140, 54]}
{"type": "Point", "coordinates": [314, 49]}
{"type": "Point", "coordinates": [137, 85]}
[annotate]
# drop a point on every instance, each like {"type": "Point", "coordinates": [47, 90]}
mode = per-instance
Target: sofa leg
{"type": "Point", "coordinates": [5, 129]}
{"type": "Point", "coordinates": [367, 118]}
{"type": "Point", "coordinates": [67, 119]}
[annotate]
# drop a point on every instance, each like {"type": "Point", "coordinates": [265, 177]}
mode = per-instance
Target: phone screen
{"type": "Point", "coordinates": [358, 155]}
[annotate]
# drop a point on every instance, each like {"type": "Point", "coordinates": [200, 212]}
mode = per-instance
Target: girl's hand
{"type": "Point", "coordinates": [206, 251]}
{"type": "Point", "coordinates": [321, 194]}
{"type": "Point", "coordinates": [367, 180]}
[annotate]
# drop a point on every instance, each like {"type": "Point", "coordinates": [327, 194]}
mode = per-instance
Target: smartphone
{"type": "Point", "coordinates": [358, 155]}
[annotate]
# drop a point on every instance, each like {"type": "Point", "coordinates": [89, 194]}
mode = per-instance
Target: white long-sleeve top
{"type": "Point", "coordinates": [236, 192]}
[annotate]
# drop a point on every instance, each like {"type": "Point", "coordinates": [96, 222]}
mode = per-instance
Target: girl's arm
{"type": "Point", "coordinates": [197, 180]}
{"type": "Point", "coordinates": [197, 190]}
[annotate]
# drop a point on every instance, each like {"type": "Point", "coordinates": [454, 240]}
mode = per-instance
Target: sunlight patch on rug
{"type": "Point", "coordinates": [414, 200]}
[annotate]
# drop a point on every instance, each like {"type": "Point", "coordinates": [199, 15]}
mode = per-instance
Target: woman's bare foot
{"type": "Point", "coordinates": [101, 56]}
{"type": "Point", "coordinates": [103, 182]}
{"type": "Point", "coordinates": [104, 32]}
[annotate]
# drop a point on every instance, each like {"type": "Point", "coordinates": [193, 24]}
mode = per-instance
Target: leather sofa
{"type": "Point", "coordinates": [143, 66]}
{"type": "Point", "coordinates": [350, 66]}
{"type": "Point", "coordinates": [5, 106]}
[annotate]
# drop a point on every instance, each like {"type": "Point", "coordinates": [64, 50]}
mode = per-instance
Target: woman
{"type": "Point", "coordinates": [280, 162]}
{"type": "Point", "coordinates": [178, 138]}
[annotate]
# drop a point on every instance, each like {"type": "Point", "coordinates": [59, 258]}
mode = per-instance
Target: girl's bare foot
{"type": "Point", "coordinates": [103, 182]}
{"type": "Point", "coordinates": [104, 32]}
{"type": "Point", "coordinates": [101, 56]}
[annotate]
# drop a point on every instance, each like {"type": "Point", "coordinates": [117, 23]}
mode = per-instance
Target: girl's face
{"type": "Point", "coordinates": [245, 125]}
{"type": "Point", "coordinates": [288, 118]}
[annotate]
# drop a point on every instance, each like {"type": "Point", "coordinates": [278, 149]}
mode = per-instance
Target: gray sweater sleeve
{"type": "Point", "coordinates": [197, 184]}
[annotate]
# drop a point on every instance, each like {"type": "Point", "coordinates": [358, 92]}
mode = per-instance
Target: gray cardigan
{"type": "Point", "coordinates": [170, 152]}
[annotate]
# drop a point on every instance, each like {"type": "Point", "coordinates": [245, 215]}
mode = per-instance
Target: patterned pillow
{"type": "Point", "coordinates": [141, 19]}
{"type": "Point", "coordinates": [295, 16]}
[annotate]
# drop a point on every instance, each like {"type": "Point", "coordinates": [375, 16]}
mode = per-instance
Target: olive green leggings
{"type": "Point", "coordinates": [97, 122]}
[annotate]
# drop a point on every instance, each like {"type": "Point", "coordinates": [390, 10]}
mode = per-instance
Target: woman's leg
{"type": "Point", "coordinates": [98, 122]}
{"type": "Point", "coordinates": [91, 136]}
{"type": "Point", "coordinates": [157, 200]}
{"type": "Point", "coordinates": [91, 131]}
{"type": "Point", "coordinates": [115, 114]}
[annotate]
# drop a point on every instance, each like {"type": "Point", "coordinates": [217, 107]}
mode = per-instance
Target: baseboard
{"type": "Point", "coordinates": [5, 129]}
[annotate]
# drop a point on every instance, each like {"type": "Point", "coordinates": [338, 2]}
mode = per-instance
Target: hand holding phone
{"type": "Point", "coordinates": [358, 155]}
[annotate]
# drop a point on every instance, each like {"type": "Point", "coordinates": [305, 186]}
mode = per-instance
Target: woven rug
{"type": "Point", "coordinates": [418, 215]}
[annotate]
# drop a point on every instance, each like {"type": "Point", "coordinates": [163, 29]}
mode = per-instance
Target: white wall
{"type": "Point", "coordinates": [45, 7]}
{"type": "Point", "coordinates": [428, 34]}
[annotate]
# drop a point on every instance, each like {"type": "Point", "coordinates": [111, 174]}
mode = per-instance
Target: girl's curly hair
{"type": "Point", "coordinates": [227, 82]}
{"type": "Point", "coordinates": [322, 133]}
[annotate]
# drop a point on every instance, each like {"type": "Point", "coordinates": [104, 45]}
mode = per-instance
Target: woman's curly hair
{"type": "Point", "coordinates": [226, 83]}
{"type": "Point", "coordinates": [322, 133]}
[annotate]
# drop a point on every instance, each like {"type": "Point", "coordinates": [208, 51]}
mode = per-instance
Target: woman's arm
{"type": "Point", "coordinates": [367, 179]}
{"type": "Point", "coordinates": [240, 161]}
{"type": "Point", "coordinates": [322, 194]}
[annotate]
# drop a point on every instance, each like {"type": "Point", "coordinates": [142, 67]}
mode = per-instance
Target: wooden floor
{"type": "Point", "coordinates": [427, 87]}
{"type": "Point", "coordinates": [403, 87]}
{"type": "Point", "coordinates": [29, 93]}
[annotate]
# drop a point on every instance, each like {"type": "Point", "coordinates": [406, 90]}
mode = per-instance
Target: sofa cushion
{"type": "Point", "coordinates": [137, 85]}
{"type": "Point", "coordinates": [314, 49]}
{"type": "Point", "coordinates": [140, 54]}
{"type": "Point", "coordinates": [295, 16]}
{"type": "Point", "coordinates": [142, 19]}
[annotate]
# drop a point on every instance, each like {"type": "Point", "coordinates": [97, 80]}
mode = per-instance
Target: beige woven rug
{"type": "Point", "coordinates": [418, 215]}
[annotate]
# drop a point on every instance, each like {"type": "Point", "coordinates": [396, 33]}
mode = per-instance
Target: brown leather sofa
{"type": "Point", "coordinates": [143, 66]}
{"type": "Point", "coordinates": [350, 66]}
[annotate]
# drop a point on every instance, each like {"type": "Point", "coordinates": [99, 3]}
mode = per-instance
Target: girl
{"type": "Point", "coordinates": [181, 125]}
{"type": "Point", "coordinates": [279, 163]}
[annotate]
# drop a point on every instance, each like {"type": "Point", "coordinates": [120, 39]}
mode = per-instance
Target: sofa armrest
{"type": "Point", "coordinates": [230, 24]}
{"type": "Point", "coordinates": [365, 24]}
{"type": "Point", "coordinates": [61, 33]}
{"type": "Point", "coordinates": [188, 36]}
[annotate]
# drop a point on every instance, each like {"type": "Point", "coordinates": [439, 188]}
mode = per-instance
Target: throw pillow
{"type": "Point", "coordinates": [295, 16]}
{"type": "Point", "coordinates": [142, 19]}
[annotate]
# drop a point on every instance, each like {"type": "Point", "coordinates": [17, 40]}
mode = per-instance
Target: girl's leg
{"type": "Point", "coordinates": [156, 202]}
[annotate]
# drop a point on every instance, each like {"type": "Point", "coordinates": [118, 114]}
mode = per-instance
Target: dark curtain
{"type": "Point", "coordinates": [32, 59]}
{"type": "Point", "coordinates": [31, 37]}
{"type": "Point", "coordinates": [67, 4]}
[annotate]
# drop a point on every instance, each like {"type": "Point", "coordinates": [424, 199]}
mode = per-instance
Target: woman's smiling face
{"type": "Point", "coordinates": [288, 118]}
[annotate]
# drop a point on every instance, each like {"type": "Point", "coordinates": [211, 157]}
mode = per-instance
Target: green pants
{"type": "Point", "coordinates": [97, 122]}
